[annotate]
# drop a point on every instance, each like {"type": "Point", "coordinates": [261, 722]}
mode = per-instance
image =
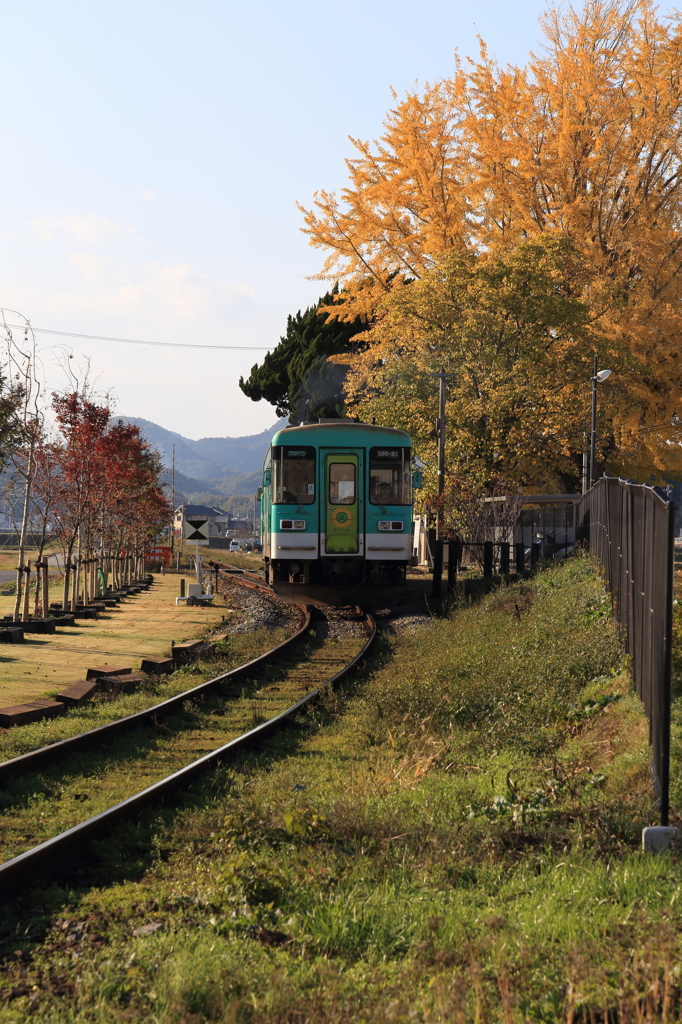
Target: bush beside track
{"type": "Point", "coordinates": [456, 838]}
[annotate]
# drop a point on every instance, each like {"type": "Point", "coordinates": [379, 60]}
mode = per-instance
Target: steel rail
{"type": "Point", "coordinates": [244, 576]}
{"type": "Point", "coordinates": [57, 854]}
{"type": "Point", "coordinates": [148, 716]}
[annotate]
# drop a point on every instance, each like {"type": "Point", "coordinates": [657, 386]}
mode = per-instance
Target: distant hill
{"type": "Point", "coordinates": [214, 460]}
{"type": "Point", "coordinates": [193, 491]}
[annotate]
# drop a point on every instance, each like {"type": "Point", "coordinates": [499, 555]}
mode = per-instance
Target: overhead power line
{"type": "Point", "coordinates": [138, 341]}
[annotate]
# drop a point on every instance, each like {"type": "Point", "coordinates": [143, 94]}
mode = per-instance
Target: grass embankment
{"type": "Point", "coordinates": [140, 627]}
{"type": "Point", "coordinates": [455, 840]}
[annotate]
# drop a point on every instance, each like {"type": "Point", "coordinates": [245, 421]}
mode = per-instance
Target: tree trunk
{"type": "Point", "coordinates": [24, 528]}
{"type": "Point", "coordinates": [86, 579]}
{"type": "Point", "coordinates": [39, 565]}
{"type": "Point", "coordinates": [27, 591]}
{"type": "Point", "coordinates": [77, 577]}
{"type": "Point", "coordinates": [46, 589]}
{"type": "Point", "coordinates": [67, 573]}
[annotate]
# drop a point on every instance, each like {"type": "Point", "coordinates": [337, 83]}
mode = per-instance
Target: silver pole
{"type": "Point", "coordinates": [593, 431]}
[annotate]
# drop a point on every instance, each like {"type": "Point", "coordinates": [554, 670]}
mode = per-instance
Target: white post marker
{"type": "Point", "coordinates": [657, 838]}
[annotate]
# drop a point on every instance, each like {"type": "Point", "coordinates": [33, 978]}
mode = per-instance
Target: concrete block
{"type": "Point", "coordinates": [85, 612]}
{"type": "Point", "coordinates": [195, 590]}
{"type": "Point", "coordinates": [11, 635]}
{"type": "Point", "coordinates": [119, 684]}
{"type": "Point", "coordinates": [33, 711]}
{"type": "Point", "coordinates": [657, 838]}
{"type": "Point", "coordinates": [39, 626]}
{"type": "Point", "coordinates": [78, 692]}
{"type": "Point", "coordinates": [184, 653]}
{"type": "Point", "coordinates": [108, 670]}
{"type": "Point", "coordinates": [157, 666]}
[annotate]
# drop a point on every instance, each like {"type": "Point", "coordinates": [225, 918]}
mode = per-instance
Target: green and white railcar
{"type": "Point", "coordinates": [336, 512]}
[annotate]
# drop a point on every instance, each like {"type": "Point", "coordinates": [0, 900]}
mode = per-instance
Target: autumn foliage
{"type": "Point", "coordinates": [99, 482]}
{"type": "Point", "coordinates": [581, 146]}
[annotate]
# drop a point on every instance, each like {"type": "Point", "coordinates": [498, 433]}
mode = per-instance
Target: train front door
{"type": "Point", "coordinates": [341, 504]}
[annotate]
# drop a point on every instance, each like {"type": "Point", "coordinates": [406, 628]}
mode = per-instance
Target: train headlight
{"type": "Point", "coordinates": [384, 525]}
{"type": "Point", "coordinates": [390, 524]}
{"type": "Point", "coordinates": [292, 524]}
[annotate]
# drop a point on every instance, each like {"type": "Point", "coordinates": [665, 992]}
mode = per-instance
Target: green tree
{"type": "Point", "coordinates": [297, 377]}
{"type": "Point", "coordinates": [518, 340]}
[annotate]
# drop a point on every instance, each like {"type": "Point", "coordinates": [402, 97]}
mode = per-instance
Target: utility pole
{"type": "Point", "coordinates": [442, 376]}
{"type": "Point", "coordinates": [172, 525]}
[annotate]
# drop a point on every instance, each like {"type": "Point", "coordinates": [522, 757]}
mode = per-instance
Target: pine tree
{"type": "Point", "coordinates": [297, 377]}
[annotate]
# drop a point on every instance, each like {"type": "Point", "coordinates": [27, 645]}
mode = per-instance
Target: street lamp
{"type": "Point", "coordinates": [597, 378]}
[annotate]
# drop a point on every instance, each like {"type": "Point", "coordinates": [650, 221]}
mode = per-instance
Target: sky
{"type": "Point", "coordinates": [154, 155]}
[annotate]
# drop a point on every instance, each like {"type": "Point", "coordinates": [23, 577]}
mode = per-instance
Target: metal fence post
{"type": "Point", "coordinates": [453, 557]}
{"type": "Point", "coordinates": [487, 558]}
{"type": "Point", "coordinates": [667, 669]}
{"type": "Point", "coordinates": [630, 529]}
{"type": "Point", "coordinates": [520, 557]}
{"type": "Point", "coordinates": [504, 557]}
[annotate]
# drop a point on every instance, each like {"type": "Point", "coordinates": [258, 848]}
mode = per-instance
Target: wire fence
{"type": "Point", "coordinates": [630, 528]}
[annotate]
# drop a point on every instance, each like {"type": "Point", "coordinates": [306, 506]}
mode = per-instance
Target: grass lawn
{"type": "Point", "coordinates": [455, 837]}
{"type": "Point", "coordinates": [139, 627]}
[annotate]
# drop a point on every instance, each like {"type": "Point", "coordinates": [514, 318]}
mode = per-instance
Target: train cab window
{"type": "Point", "coordinates": [293, 475]}
{"type": "Point", "coordinates": [390, 476]}
{"type": "Point", "coordinates": [341, 483]}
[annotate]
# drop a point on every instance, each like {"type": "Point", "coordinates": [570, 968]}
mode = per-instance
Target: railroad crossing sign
{"type": "Point", "coordinates": [196, 530]}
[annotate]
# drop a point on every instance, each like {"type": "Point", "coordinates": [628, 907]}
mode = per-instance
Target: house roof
{"type": "Point", "coordinates": [209, 511]}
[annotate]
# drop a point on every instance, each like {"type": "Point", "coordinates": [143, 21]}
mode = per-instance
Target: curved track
{"type": "Point", "coordinates": [149, 716]}
{"type": "Point", "coordinates": [312, 674]}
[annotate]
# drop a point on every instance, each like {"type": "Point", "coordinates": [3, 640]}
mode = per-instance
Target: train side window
{"type": "Point", "coordinates": [293, 475]}
{"type": "Point", "coordinates": [390, 476]}
{"type": "Point", "coordinates": [341, 483]}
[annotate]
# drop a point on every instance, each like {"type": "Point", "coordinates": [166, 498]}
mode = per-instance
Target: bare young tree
{"type": "Point", "coordinates": [24, 428]}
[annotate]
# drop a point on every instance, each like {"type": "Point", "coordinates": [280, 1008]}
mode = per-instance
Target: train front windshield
{"type": "Point", "coordinates": [293, 480]}
{"type": "Point", "coordinates": [390, 476]}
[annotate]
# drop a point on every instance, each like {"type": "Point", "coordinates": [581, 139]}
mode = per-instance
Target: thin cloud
{"type": "Point", "coordinates": [155, 294]}
{"type": "Point", "coordinates": [89, 230]}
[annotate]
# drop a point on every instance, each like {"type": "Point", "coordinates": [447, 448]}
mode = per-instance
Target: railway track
{"type": "Point", "coordinates": [102, 770]}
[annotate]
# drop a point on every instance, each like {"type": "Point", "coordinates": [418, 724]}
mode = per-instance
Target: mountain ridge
{"type": "Point", "coordinates": [209, 460]}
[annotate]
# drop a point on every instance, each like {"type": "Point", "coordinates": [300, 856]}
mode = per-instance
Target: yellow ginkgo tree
{"type": "Point", "coordinates": [585, 143]}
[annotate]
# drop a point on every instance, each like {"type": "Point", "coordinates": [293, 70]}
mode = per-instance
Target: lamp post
{"type": "Point", "coordinates": [597, 378]}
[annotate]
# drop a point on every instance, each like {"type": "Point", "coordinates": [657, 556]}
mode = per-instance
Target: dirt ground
{"type": "Point", "coordinates": [139, 627]}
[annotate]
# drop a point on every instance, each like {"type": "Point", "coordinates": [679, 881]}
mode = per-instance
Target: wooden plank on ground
{"type": "Point", "coordinates": [157, 666]}
{"type": "Point", "coordinates": [78, 692]}
{"type": "Point", "coordinates": [20, 714]}
{"type": "Point", "coordinates": [108, 670]}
